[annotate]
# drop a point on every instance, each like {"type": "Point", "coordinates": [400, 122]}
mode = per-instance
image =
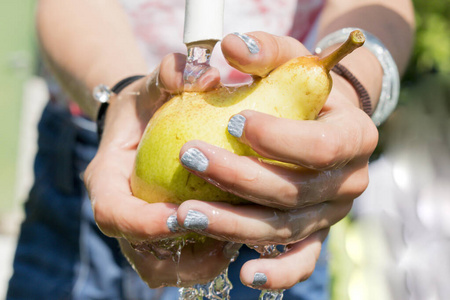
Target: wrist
{"type": "Point", "coordinates": [345, 88]}
{"type": "Point", "coordinates": [365, 67]}
{"type": "Point", "coordinates": [103, 94]}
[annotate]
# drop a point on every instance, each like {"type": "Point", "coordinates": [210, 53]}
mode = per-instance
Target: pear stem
{"type": "Point", "coordinates": [355, 40]}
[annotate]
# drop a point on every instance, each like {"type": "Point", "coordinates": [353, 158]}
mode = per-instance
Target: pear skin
{"type": "Point", "coordinates": [295, 90]}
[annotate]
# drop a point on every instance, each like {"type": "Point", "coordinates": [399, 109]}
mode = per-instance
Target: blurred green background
{"type": "Point", "coordinates": [17, 64]}
{"type": "Point", "coordinates": [398, 248]}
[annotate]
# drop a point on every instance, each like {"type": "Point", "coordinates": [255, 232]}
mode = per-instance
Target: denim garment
{"type": "Point", "coordinates": [61, 254]}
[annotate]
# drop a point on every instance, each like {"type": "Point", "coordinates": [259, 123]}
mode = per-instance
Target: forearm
{"type": "Point", "coordinates": [390, 21]}
{"type": "Point", "coordinates": [87, 42]}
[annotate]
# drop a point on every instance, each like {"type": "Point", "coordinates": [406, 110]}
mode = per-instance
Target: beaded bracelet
{"type": "Point", "coordinates": [364, 98]}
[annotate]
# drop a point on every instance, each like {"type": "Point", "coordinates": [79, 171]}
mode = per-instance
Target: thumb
{"type": "Point", "coordinates": [258, 53]}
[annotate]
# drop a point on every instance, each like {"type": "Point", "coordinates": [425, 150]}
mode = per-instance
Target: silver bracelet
{"type": "Point", "coordinates": [391, 80]}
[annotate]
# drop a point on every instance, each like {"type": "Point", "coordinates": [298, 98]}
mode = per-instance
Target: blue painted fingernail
{"type": "Point", "coordinates": [250, 42]}
{"type": "Point", "coordinates": [195, 220]}
{"type": "Point", "coordinates": [195, 160]}
{"type": "Point", "coordinates": [259, 279]}
{"type": "Point", "coordinates": [236, 125]}
{"type": "Point", "coordinates": [172, 224]}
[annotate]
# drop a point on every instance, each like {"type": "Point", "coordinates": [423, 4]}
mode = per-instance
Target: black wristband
{"type": "Point", "coordinates": [116, 89]}
{"type": "Point", "coordinates": [364, 98]}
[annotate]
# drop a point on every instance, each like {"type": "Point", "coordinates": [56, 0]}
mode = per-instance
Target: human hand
{"type": "Point", "coordinates": [140, 227]}
{"type": "Point", "coordinates": [293, 206]}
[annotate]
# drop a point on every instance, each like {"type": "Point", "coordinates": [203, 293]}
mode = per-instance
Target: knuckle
{"type": "Point", "coordinates": [288, 196]}
{"type": "Point", "coordinates": [307, 273]}
{"type": "Point", "coordinates": [260, 132]}
{"type": "Point", "coordinates": [309, 266]}
{"type": "Point", "coordinates": [87, 174]}
{"type": "Point", "coordinates": [366, 133]}
{"type": "Point", "coordinates": [90, 171]}
{"type": "Point", "coordinates": [101, 218]}
{"type": "Point", "coordinates": [327, 150]}
{"type": "Point", "coordinates": [232, 228]}
{"type": "Point", "coordinates": [105, 219]}
{"type": "Point", "coordinates": [287, 232]}
{"type": "Point", "coordinates": [361, 181]}
{"type": "Point", "coordinates": [357, 183]}
{"type": "Point", "coordinates": [372, 137]}
{"type": "Point", "coordinates": [286, 235]}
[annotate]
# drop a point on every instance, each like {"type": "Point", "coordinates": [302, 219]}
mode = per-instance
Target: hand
{"type": "Point", "coordinates": [293, 206]}
{"type": "Point", "coordinates": [142, 227]}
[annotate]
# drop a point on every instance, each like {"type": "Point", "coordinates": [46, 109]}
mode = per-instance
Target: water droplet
{"type": "Point", "coordinates": [271, 295]}
{"type": "Point", "coordinates": [217, 289]}
{"type": "Point", "coordinates": [197, 63]}
{"type": "Point", "coordinates": [268, 250]}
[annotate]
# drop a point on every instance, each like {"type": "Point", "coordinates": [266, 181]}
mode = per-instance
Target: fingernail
{"type": "Point", "coordinates": [195, 160]}
{"type": "Point", "coordinates": [195, 220]}
{"type": "Point", "coordinates": [259, 279]}
{"type": "Point", "coordinates": [250, 42]}
{"type": "Point", "coordinates": [172, 224]}
{"type": "Point", "coordinates": [236, 125]}
{"type": "Point", "coordinates": [231, 250]}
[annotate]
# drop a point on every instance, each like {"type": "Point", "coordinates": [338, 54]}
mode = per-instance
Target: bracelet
{"type": "Point", "coordinates": [102, 94]}
{"type": "Point", "coordinates": [390, 89]}
{"type": "Point", "coordinates": [364, 98]}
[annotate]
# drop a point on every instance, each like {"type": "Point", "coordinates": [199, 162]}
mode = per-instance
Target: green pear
{"type": "Point", "coordinates": [295, 90]}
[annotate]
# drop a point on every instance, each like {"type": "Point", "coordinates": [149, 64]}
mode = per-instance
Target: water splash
{"type": "Point", "coordinates": [176, 258]}
{"type": "Point", "coordinates": [197, 63]}
{"type": "Point", "coordinates": [268, 251]}
{"type": "Point", "coordinates": [220, 287]}
{"type": "Point", "coordinates": [271, 295]}
{"type": "Point", "coordinates": [217, 289]}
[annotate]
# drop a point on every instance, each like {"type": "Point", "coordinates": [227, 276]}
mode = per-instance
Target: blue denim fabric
{"type": "Point", "coordinates": [61, 254]}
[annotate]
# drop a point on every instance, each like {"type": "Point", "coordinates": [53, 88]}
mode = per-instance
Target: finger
{"type": "Point", "coordinates": [258, 225]}
{"type": "Point", "coordinates": [339, 135]}
{"type": "Point", "coordinates": [116, 211]}
{"type": "Point", "coordinates": [269, 184]}
{"type": "Point", "coordinates": [258, 53]}
{"type": "Point", "coordinates": [286, 270]}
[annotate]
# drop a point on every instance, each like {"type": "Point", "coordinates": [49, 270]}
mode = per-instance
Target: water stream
{"type": "Point", "coordinates": [197, 63]}
{"type": "Point", "coordinates": [220, 287]}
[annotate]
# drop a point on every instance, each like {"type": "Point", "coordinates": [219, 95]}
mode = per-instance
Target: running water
{"type": "Point", "coordinates": [269, 251]}
{"type": "Point", "coordinates": [220, 287]}
{"type": "Point", "coordinates": [217, 289]}
{"type": "Point", "coordinates": [197, 63]}
{"type": "Point", "coordinates": [271, 295]}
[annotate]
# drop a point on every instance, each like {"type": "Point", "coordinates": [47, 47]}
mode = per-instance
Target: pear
{"type": "Point", "coordinates": [295, 90]}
